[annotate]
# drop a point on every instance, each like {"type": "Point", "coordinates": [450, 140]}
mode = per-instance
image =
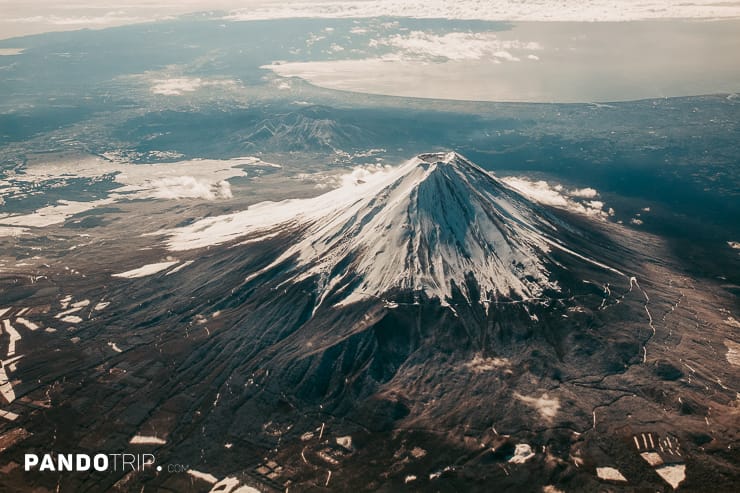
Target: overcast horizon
{"type": "Point", "coordinates": [40, 16]}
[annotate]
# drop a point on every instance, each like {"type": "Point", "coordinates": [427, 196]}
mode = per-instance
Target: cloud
{"type": "Point", "coordinates": [547, 407]}
{"type": "Point", "coordinates": [105, 20]}
{"type": "Point", "coordinates": [36, 16]}
{"type": "Point", "coordinates": [357, 176]}
{"type": "Point", "coordinates": [282, 84]}
{"type": "Point", "coordinates": [181, 85]}
{"type": "Point", "coordinates": [584, 193]}
{"type": "Point", "coordinates": [505, 10]}
{"type": "Point", "coordinates": [420, 45]}
{"type": "Point", "coordinates": [203, 179]}
{"type": "Point", "coordinates": [188, 187]}
{"type": "Point", "coordinates": [175, 87]}
{"type": "Point", "coordinates": [505, 55]}
{"type": "Point", "coordinates": [557, 195]}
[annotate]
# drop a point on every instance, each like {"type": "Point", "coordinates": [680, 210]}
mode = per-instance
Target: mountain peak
{"type": "Point", "coordinates": [443, 159]}
{"type": "Point", "coordinates": [437, 225]}
{"type": "Point", "coordinates": [440, 157]}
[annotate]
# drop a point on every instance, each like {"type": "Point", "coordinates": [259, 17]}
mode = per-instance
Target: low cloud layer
{"type": "Point", "coordinates": [420, 45]}
{"type": "Point", "coordinates": [198, 179]}
{"type": "Point", "coordinates": [188, 187]}
{"type": "Point", "coordinates": [181, 85]}
{"type": "Point", "coordinates": [580, 200]}
{"type": "Point", "coordinates": [37, 16]}
{"type": "Point", "coordinates": [507, 10]}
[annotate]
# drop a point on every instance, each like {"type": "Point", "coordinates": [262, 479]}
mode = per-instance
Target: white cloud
{"type": "Point", "coordinates": [506, 10]}
{"type": "Point", "coordinates": [36, 16]}
{"type": "Point", "coordinates": [105, 20]}
{"type": "Point", "coordinates": [175, 87]}
{"type": "Point", "coordinates": [505, 55]}
{"type": "Point", "coordinates": [282, 84]}
{"type": "Point", "coordinates": [203, 179]}
{"type": "Point", "coordinates": [419, 45]}
{"type": "Point", "coordinates": [557, 195]}
{"type": "Point", "coordinates": [179, 86]}
{"type": "Point", "coordinates": [547, 407]}
{"type": "Point", "coordinates": [189, 187]}
{"type": "Point", "coordinates": [584, 193]}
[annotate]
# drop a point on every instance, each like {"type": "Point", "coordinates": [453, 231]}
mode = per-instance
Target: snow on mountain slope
{"type": "Point", "coordinates": [427, 226]}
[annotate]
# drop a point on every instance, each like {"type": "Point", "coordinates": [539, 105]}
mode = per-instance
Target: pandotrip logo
{"type": "Point", "coordinates": [87, 463]}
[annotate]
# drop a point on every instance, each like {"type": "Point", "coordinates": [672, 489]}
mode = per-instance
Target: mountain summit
{"type": "Point", "coordinates": [437, 225]}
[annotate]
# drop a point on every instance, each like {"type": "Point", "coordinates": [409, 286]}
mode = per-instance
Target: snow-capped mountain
{"type": "Point", "coordinates": [311, 128]}
{"type": "Point", "coordinates": [422, 320]}
{"type": "Point", "coordinates": [437, 225]}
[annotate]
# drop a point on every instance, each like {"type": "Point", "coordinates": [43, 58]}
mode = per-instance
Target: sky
{"type": "Point", "coordinates": [19, 18]}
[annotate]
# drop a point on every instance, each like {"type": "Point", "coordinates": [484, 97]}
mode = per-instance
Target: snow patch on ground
{"type": "Point", "coordinates": [673, 474]}
{"type": "Point", "coordinates": [6, 388]}
{"type": "Point", "coordinates": [146, 270]}
{"type": "Point", "coordinates": [13, 335]}
{"type": "Point", "coordinates": [179, 267]}
{"type": "Point", "coordinates": [232, 485]}
{"type": "Point", "coordinates": [652, 458]}
{"type": "Point", "coordinates": [27, 323]}
{"type": "Point", "coordinates": [610, 474]}
{"type": "Point", "coordinates": [101, 306]}
{"type": "Point", "coordinates": [208, 478]}
{"type": "Point", "coordinates": [146, 440]}
{"type": "Point", "coordinates": [10, 416]}
{"type": "Point", "coordinates": [49, 215]}
{"type": "Point", "coordinates": [733, 352]}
